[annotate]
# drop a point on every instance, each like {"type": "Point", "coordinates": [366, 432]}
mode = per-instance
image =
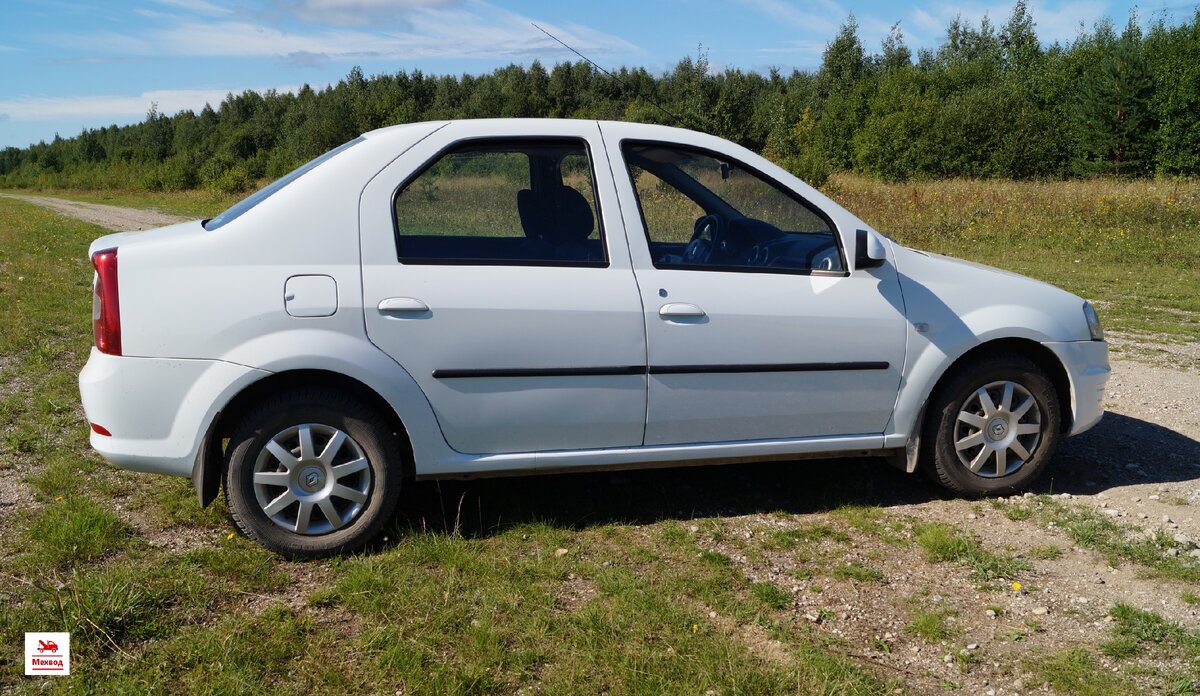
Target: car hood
{"type": "Point", "coordinates": [941, 290]}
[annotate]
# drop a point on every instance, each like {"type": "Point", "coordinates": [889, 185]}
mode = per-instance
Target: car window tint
{"type": "Point", "coordinates": [668, 213]}
{"type": "Point", "coordinates": [520, 203]}
{"type": "Point", "coordinates": [705, 212]}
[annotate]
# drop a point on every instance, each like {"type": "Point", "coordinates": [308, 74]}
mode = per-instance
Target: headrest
{"type": "Point", "coordinates": [559, 216]}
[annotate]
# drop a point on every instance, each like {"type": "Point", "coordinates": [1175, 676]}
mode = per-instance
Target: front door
{"type": "Point", "coordinates": [755, 328]}
{"type": "Point", "coordinates": [493, 278]}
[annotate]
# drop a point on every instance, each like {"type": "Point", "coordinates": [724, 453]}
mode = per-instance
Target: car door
{"type": "Point", "coordinates": [491, 274]}
{"type": "Point", "coordinates": [756, 329]}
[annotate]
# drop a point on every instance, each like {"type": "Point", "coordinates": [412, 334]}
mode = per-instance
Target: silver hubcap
{"type": "Point", "coordinates": [312, 466]}
{"type": "Point", "coordinates": [999, 428]}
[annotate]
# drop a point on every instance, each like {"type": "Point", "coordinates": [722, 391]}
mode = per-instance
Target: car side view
{"type": "Point", "coordinates": [482, 297]}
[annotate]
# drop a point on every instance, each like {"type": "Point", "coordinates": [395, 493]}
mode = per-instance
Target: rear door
{"type": "Point", "coordinates": [496, 273]}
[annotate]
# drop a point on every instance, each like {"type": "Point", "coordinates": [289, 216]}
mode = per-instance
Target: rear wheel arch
{"type": "Point", "coordinates": [210, 461]}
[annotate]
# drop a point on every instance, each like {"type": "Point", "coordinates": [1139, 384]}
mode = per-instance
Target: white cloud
{"type": "Point", "coordinates": [927, 21]}
{"type": "Point", "coordinates": [1054, 22]}
{"type": "Point", "coordinates": [821, 20]}
{"type": "Point", "coordinates": [199, 6]}
{"type": "Point", "coordinates": [475, 30]}
{"type": "Point", "coordinates": [923, 26]}
{"type": "Point", "coordinates": [817, 16]}
{"type": "Point", "coordinates": [814, 47]}
{"type": "Point", "coordinates": [356, 11]}
{"type": "Point", "coordinates": [169, 101]}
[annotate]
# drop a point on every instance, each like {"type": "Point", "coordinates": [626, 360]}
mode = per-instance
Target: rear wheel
{"type": "Point", "coordinates": [992, 426]}
{"type": "Point", "coordinates": [312, 473]}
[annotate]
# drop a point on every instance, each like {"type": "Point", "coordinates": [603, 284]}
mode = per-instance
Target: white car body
{"type": "Point", "coordinates": [294, 287]}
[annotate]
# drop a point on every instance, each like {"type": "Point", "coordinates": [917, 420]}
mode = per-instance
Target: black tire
{"type": "Point", "coordinates": [319, 410]}
{"type": "Point", "coordinates": [945, 464]}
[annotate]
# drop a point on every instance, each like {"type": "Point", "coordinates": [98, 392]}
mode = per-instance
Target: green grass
{"type": "Point", "coordinates": [945, 542]}
{"type": "Point", "coordinates": [71, 531]}
{"type": "Point", "coordinates": [1119, 543]}
{"type": "Point", "coordinates": [771, 595]}
{"type": "Point", "coordinates": [1046, 552]}
{"type": "Point", "coordinates": [1137, 628]}
{"type": "Point", "coordinates": [1076, 671]}
{"type": "Point", "coordinates": [804, 535]}
{"type": "Point", "coordinates": [857, 572]}
{"type": "Point", "coordinates": [930, 624]}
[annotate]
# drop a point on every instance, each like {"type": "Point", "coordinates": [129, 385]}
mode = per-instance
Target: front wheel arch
{"type": "Point", "coordinates": [1037, 353]}
{"type": "Point", "coordinates": [210, 460]}
{"type": "Point", "coordinates": [1031, 350]}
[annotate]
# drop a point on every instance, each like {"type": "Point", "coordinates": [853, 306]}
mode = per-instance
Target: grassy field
{"type": "Point", "coordinates": [1131, 247]}
{"type": "Point", "coordinates": [643, 583]}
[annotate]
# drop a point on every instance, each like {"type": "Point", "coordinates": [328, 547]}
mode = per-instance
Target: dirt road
{"type": "Point", "coordinates": [113, 217]}
{"type": "Point", "coordinates": [1136, 475]}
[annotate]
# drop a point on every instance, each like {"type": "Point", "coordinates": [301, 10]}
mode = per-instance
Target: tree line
{"type": "Point", "coordinates": [988, 102]}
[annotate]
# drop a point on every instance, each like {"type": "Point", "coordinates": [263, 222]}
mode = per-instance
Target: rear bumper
{"type": "Point", "coordinates": [157, 409]}
{"type": "Point", "coordinates": [1087, 367]}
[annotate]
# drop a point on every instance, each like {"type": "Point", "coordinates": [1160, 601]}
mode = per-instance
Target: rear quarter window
{"type": "Point", "coordinates": [246, 204]}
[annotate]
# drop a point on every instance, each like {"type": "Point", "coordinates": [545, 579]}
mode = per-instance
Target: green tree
{"type": "Point", "coordinates": [1114, 124]}
{"type": "Point", "coordinates": [841, 92]}
{"type": "Point", "coordinates": [1173, 57]}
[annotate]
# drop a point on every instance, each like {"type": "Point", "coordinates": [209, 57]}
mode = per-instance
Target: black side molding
{"type": "Point", "coordinates": [777, 367]}
{"type": "Point", "coordinates": [543, 372]}
{"type": "Point", "coordinates": [659, 370]}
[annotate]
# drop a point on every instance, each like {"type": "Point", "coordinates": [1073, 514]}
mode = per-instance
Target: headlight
{"type": "Point", "coordinates": [1093, 322]}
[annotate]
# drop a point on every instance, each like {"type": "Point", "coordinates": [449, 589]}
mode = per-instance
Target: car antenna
{"type": "Point", "coordinates": [676, 121]}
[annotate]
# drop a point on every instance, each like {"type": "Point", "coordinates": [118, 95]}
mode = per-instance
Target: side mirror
{"type": "Point", "coordinates": [868, 250]}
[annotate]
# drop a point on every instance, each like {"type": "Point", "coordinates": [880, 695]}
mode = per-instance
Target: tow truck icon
{"type": "Point", "coordinates": [44, 645]}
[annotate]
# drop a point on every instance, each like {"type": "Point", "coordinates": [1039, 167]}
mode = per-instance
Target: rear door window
{"type": "Point", "coordinates": [502, 202]}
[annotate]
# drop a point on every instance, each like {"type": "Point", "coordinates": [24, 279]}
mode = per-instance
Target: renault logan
{"type": "Point", "coordinates": [474, 298]}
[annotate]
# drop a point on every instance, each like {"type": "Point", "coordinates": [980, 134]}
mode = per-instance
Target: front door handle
{"type": "Point", "coordinates": [681, 310]}
{"type": "Point", "coordinates": [403, 305]}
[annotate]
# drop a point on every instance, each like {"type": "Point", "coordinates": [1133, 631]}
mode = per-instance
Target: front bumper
{"type": "Point", "coordinates": [1087, 368]}
{"type": "Point", "coordinates": [157, 409]}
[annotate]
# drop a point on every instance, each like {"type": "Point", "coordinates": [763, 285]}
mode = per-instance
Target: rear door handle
{"type": "Point", "coordinates": [684, 310]}
{"type": "Point", "coordinates": [403, 305]}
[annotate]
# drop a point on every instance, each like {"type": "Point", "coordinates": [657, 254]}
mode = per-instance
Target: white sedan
{"type": "Point", "coordinates": [468, 298]}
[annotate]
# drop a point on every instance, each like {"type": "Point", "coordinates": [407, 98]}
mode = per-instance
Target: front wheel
{"type": "Point", "coordinates": [992, 427]}
{"type": "Point", "coordinates": [312, 473]}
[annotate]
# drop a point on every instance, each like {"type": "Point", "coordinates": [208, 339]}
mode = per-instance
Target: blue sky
{"type": "Point", "coordinates": [70, 64]}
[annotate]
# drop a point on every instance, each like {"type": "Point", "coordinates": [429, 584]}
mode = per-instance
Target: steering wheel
{"type": "Point", "coordinates": [705, 236]}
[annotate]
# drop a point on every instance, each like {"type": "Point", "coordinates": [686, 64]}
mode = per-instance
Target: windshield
{"type": "Point", "coordinates": [267, 191]}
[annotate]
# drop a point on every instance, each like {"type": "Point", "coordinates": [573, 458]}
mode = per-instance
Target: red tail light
{"type": "Point", "coordinates": [106, 309]}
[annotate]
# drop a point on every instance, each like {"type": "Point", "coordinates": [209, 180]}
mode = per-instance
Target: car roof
{"type": "Point", "coordinates": [647, 130]}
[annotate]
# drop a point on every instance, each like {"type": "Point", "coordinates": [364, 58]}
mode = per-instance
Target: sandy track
{"type": "Point", "coordinates": [113, 217]}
